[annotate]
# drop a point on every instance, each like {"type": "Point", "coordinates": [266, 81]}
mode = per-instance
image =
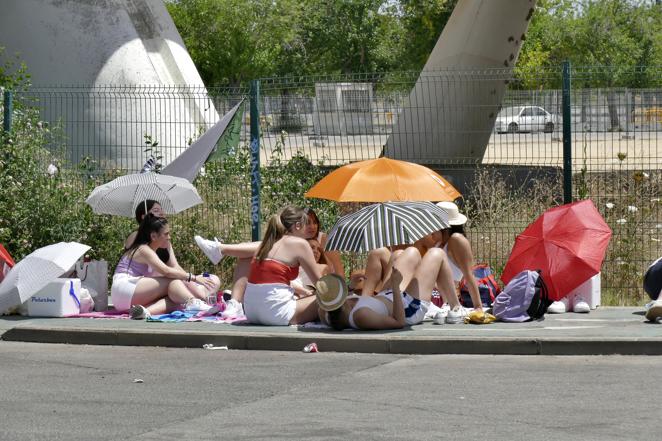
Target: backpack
{"type": "Point", "coordinates": [487, 286]}
{"type": "Point", "coordinates": [523, 299]}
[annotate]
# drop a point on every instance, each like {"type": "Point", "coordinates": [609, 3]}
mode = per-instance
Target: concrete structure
{"type": "Point", "coordinates": [480, 34]}
{"type": "Point", "coordinates": [116, 44]}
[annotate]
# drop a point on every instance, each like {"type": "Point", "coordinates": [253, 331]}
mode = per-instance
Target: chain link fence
{"type": "Point", "coordinates": [497, 135]}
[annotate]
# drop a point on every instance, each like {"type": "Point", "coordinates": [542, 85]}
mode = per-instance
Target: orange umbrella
{"type": "Point", "coordinates": [383, 180]}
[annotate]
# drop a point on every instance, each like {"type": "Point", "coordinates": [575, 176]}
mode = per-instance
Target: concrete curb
{"type": "Point", "coordinates": [327, 342]}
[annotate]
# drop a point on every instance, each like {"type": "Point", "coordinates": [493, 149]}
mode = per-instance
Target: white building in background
{"type": "Point", "coordinates": [116, 44]}
{"type": "Point", "coordinates": [480, 34]}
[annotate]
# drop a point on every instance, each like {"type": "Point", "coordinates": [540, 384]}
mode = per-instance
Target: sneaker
{"type": "Point", "coordinates": [654, 310]}
{"type": "Point", "coordinates": [440, 317]}
{"type": "Point", "coordinates": [210, 248]}
{"type": "Point", "coordinates": [233, 309]}
{"type": "Point", "coordinates": [456, 315]}
{"type": "Point", "coordinates": [432, 310]}
{"type": "Point", "coordinates": [139, 312]}
{"type": "Point", "coordinates": [557, 307]}
{"type": "Point", "coordinates": [581, 306]}
{"type": "Point", "coordinates": [196, 305]}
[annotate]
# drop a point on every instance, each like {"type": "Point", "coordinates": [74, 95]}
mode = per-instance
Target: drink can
{"type": "Point", "coordinates": [311, 347]}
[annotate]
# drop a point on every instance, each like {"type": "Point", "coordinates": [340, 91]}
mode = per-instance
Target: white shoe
{"type": "Point", "coordinates": [581, 306]}
{"type": "Point", "coordinates": [196, 305]}
{"type": "Point", "coordinates": [139, 312]}
{"type": "Point", "coordinates": [432, 310]}
{"type": "Point", "coordinates": [557, 307]}
{"type": "Point", "coordinates": [456, 315]}
{"type": "Point", "coordinates": [232, 309]}
{"type": "Point", "coordinates": [210, 248]}
{"type": "Point", "coordinates": [654, 310]}
{"type": "Point", "coordinates": [440, 317]}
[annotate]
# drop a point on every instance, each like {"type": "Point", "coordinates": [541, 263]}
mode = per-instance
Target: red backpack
{"type": "Point", "coordinates": [487, 286]}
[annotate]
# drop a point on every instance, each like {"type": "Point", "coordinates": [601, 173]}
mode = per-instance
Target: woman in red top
{"type": "Point", "coordinates": [269, 298]}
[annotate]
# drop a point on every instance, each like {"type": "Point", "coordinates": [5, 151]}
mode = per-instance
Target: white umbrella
{"type": "Point", "coordinates": [38, 269]}
{"type": "Point", "coordinates": [121, 195]}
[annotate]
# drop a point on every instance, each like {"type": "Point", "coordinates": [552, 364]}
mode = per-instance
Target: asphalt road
{"type": "Point", "coordinates": [64, 392]}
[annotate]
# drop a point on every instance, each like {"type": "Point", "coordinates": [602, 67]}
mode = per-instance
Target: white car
{"type": "Point", "coordinates": [524, 119]}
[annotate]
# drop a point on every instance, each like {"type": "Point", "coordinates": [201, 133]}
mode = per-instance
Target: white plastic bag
{"type": "Point", "coordinates": [93, 275]}
{"type": "Point", "coordinates": [86, 301]}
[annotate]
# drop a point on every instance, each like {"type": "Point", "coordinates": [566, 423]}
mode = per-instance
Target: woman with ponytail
{"type": "Point", "coordinates": [144, 285]}
{"type": "Point", "coordinates": [269, 298]}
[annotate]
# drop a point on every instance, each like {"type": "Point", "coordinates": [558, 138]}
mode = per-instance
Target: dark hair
{"type": "Point", "coordinates": [150, 224]}
{"type": "Point", "coordinates": [311, 213]}
{"type": "Point", "coordinates": [335, 319]}
{"type": "Point", "coordinates": [141, 211]}
{"type": "Point", "coordinates": [455, 229]}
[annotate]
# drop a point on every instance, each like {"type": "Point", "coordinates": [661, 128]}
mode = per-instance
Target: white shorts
{"type": "Point", "coordinates": [415, 309]}
{"type": "Point", "coordinates": [122, 289]}
{"type": "Point", "coordinates": [271, 304]}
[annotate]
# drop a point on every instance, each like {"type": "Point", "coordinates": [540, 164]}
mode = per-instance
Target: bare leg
{"type": "Point", "coordinates": [406, 262]}
{"type": "Point", "coordinates": [306, 311]}
{"type": "Point", "coordinates": [376, 269]}
{"type": "Point", "coordinates": [150, 289]}
{"type": "Point", "coordinates": [434, 268]}
{"type": "Point", "coordinates": [240, 279]}
{"type": "Point", "coordinates": [200, 291]}
{"type": "Point", "coordinates": [244, 250]}
{"type": "Point", "coordinates": [162, 306]}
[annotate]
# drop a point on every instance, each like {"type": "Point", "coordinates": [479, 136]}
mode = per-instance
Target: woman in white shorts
{"type": "Point", "coordinates": [144, 285]}
{"type": "Point", "coordinates": [403, 303]}
{"type": "Point", "coordinates": [269, 298]}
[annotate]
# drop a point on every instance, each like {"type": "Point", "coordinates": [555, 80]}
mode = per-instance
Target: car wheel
{"type": "Point", "coordinates": [549, 127]}
{"type": "Point", "coordinates": [513, 127]}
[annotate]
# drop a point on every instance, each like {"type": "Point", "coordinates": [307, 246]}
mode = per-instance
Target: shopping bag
{"type": "Point", "coordinates": [93, 275]}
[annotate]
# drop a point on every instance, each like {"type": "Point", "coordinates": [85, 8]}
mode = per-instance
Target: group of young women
{"type": "Point", "coordinates": [274, 279]}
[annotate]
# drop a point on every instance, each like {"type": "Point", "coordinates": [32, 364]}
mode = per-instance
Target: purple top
{"type": "Point", "coordinates": [131, 267]}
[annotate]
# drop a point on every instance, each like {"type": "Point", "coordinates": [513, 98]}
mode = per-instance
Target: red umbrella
{"type": "Point", "coordinates": [567, 243]}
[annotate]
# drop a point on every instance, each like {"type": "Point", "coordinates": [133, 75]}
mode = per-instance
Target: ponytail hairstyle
{"type": "Point", "coordinates": [140, 209]}
{"type": "Point", "coordinates": [150, 224]}
{"type": "Point", "coordinates": [279, 224]}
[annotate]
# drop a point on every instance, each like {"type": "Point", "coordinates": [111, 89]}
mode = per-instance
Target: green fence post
{"type": "Point", "coordinates": [567, 136]}
{"type": "Point", "coordinates": [255, 159]}
{"type": "Point", "coordinates": [9, 110]}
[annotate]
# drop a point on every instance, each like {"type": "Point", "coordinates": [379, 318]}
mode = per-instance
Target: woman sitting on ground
{"type": "Point", "coordinates": [454, 243]}
{"type": "Point", "coordinates": [144, 285]}
{"type": "Point", "coordinates": [269, 298]}
{"type": "Point", "coordinates": [167, 255]}
{"type": "Point", "coordinates": [404, 301]}
{"type": "Point", "coordinates": [302, 284]}
{"type": "Point", "coordinates": [244, 252]}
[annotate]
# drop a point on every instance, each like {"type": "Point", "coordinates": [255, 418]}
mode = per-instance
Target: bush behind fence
{"type": "Point", "coordinates": [310, 125]}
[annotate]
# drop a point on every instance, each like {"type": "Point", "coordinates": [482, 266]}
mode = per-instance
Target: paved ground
{"type": "Point", "coordinates": [606, 330]}
{"type": "Point", "coordinates": [75, 392]}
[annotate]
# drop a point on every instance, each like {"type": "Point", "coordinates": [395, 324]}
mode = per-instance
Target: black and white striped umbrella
{"type": "Point", "coordinates": [386, 224]}
{"type": "Point", "coordinates": [121, 195]}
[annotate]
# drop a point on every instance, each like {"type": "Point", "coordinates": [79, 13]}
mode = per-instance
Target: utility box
{"type": "Point", "coordinates": [343, 109]}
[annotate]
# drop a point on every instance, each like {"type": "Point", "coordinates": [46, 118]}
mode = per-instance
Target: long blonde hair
{"type": "Point", "coordinates": [279, 224]}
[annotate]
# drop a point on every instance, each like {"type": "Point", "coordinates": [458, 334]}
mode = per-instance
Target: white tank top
{"type": "Point", "coordinates": [457, 272]}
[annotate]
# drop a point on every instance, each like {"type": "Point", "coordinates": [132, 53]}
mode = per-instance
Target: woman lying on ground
{"type": "Point", "coordinates": [269, 298]}
{"type": "Point", "coordinates": [167, 255]}
{"type": "Point", "coordinates": [144, 285]}
{"type": "Point", "coordinates": [244, 252]}
{"type": "Point", "coordinates": [454, 243]}
{"type": "Point", "coordinates": [404, 301]}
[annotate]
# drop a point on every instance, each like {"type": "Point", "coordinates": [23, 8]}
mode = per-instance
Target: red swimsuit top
{"type": "Point", "coordinates": [271, 271]}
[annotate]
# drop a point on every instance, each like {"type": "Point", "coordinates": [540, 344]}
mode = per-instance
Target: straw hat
{"type": "Point", "coordinates": [331, 292]}
{"type": "Point", "coordinates": [454, 215]}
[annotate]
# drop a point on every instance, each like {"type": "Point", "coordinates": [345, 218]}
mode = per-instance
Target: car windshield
{"type": "Point", "coordinates": [509, 111]}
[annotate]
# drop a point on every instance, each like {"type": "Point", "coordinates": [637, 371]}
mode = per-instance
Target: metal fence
{"type": "Point", "coordinates": [497, 135]}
